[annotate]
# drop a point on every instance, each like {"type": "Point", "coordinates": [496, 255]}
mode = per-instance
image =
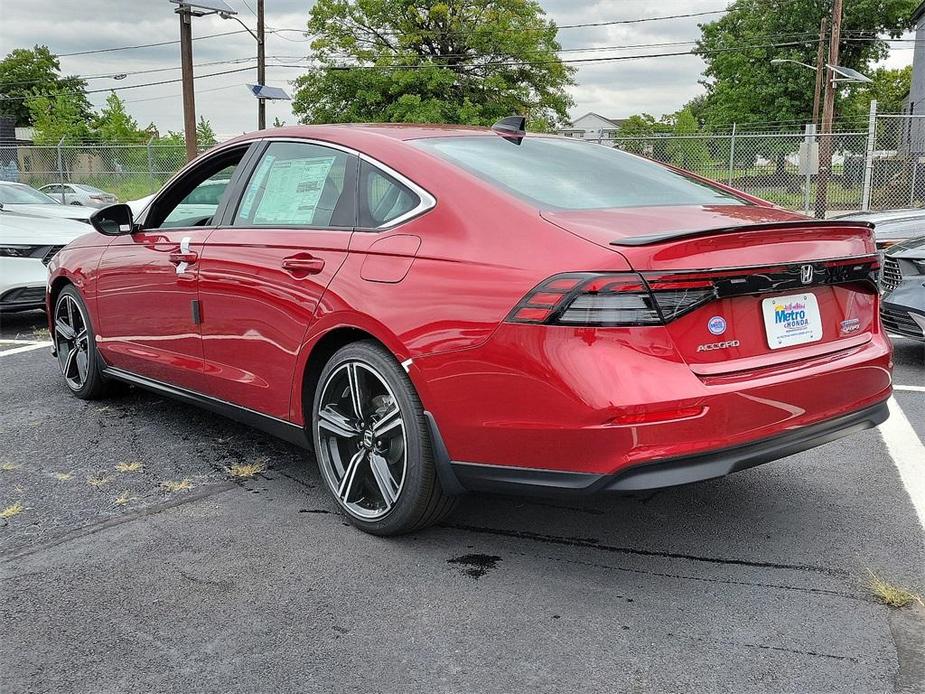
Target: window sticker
{"type": "Point", "coordinates": [292, 191]}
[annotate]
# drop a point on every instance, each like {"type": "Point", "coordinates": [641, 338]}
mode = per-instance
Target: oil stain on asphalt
{"type": "Point", "coordinates": [476, 565]}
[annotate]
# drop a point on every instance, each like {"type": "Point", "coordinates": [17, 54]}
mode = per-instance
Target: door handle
{"type": "Point", "coordinates": [303, 264]}
{"type": "Point", "coordinates": [184, 257]}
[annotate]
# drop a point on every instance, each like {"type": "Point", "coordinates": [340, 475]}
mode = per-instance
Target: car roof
{"type": "Point", "coordinates": [886, 215]}
{"type": "Point", "coordinates": [347, 133]}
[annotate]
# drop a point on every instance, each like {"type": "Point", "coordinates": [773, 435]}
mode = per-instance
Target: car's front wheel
{"type": "Point", "coordinates": [372, 443]}
{"type": "Point", "coordinates": [75, 346]}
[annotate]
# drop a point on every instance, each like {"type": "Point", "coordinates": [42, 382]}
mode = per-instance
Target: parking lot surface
{"type": "Point", "coordinates": [136, 562]}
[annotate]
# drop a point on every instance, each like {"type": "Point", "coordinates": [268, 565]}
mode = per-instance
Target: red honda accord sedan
{"type": "Point", "coordinates": [441, 309]}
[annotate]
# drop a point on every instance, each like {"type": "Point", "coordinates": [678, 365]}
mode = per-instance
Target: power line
{"type": "Point", "coordinates": [146, 45]}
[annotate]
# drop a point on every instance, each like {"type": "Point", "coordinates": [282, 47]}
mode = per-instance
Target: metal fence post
{"type": "Point", "coordinates": [150, 160]}
{"type": "Point", "coordinates": [61, 168]}
{"type": "Point", "coordinates": [869, 158]}
{"type": "Point", "coordinates": [732, 152]}
{"type": "Point", "coordinates": [809, 139]}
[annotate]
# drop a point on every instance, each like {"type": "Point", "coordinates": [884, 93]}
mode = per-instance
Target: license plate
{"type": "Point", "coordinates": [791, 320]}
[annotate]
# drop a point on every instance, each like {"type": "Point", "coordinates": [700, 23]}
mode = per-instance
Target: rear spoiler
{"type": "Point", "coordinates": [650, 239]}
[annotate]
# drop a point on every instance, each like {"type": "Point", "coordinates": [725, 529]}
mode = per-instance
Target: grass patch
{"type": "Point", "coordinates": [98, 481]}
{"type": "Point", "coordinates": [13, 509]}
{"type": "Point", "coordinates": [889, 593]}
{"type": "Point", "coordinates": [176, 486]}
{"type": "Point", "coordinates": [246, 470]}
{"type": "Point", "coordinates": [63, 476]}
{"type": "Point", "coordinates": [7, 467]}
{"type": "Point", "coordinates": [124, 498]}
{"type": "Point", "coordinates": [134, 466]}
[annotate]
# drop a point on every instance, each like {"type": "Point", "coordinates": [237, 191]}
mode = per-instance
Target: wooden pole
{"type": "Point", "coordinates": [261, 68]}
{"type": "Point", "coordinates": [820, 70]}
{"type": "Point", "coordinates": [186, 70]}
{"type": "Point", "coordinates": [828, 113]}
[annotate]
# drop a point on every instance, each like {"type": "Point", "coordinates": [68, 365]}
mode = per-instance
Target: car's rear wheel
{"type": "Point", "coordinates": [76, 346]}
{"type": "Point", "coordinates": [372, 443]}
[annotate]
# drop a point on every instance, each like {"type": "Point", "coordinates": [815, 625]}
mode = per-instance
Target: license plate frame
{"type": "Point", "coordinates": [791, 320]}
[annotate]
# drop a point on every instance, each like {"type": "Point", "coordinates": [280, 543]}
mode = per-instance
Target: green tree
{"type": "Point", "coordinates": [743, 86]}
{"type": "Point", "coordinates": [689, 153]}
{"type": "Point", "coordinates": [114, 124]}
{"type": "Point", "coordinates": [205, 136]}
{"type": "Point", "coordinates": [890, 88]}
{"type": "Point", "coordinates": [645, 125]}
{"type": "Point", "coordinates": [438, 61]}
{"type": "Point", "coordinates": [25, 73]}
{"type": "Point", "coordinates": [58, 115]}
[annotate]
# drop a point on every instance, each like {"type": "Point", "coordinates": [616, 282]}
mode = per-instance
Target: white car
{"type": "Point", "coordinates": [79, 194]}
{"type": "Point", "coordinates": [23, 199]}
{"type": "Point", "coordinates": [27, 244]}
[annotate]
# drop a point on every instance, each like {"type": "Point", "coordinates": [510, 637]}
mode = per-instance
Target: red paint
{"type": "Point", "coordinates": [436, 289]}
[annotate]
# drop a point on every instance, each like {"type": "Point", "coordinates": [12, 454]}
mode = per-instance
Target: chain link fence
{"type": "Point", "coordinates": [127, 171]}
{"type": "Point", "coordinates": [879, 167]}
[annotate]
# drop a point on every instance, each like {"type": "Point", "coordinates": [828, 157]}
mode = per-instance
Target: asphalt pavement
{"type": "Point", "coordinates": [137, 563]}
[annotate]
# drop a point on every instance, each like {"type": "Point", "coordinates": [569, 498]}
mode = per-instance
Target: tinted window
{"type": "Point", "coordinates": [564, 174]}
{"type": "Point", "coordinates": [297, 184]}
{"type": "Point", "coordinates": [19, 194]}
{"type": "Point", "coordinates": [382, 198]}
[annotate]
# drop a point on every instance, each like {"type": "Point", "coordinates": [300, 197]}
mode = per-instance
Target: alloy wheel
{"type": "Point", "coordinates": [361, 431]}
{"type": "Point", "coordinates": [72, 341]}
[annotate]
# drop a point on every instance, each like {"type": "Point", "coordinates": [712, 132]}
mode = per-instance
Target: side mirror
{"type": "Point", "coordinates": [114, 220]}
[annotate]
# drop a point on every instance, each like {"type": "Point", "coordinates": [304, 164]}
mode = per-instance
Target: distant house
{"type": "Point", "coordinates": [593, 126]}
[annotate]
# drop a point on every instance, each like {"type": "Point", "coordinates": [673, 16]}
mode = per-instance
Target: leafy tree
{"type": "Point", "coordinates": [890, 88]}
{"type": "Point", "coordinates": [743, 86]}
{"type": "Point", "coordinates": [645, 125]}
{"type": "Point", "coordinates": [205, 136]}
{"type": "Point", "coordinates": [438, 61]}
{"type": "Point", "coordinates": [29, 72]}
{"type": "Point", "coordinates": [114, 124]}
{"type": "Point", "coordinates": [277, 123]}
{"type": "Point", "coordinates": [687, 152]}
{"type": "Point", "coordinates": [58, 115]}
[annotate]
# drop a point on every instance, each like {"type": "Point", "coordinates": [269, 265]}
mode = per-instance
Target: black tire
{"type": "Point", "coordinates": [420, 499]}
{"type": "Point", "coordinates": [82, 370]}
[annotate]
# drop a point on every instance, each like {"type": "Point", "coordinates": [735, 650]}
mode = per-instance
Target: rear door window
{"type": "Point", "coordinates": [383, 199]}
{"type": "Point", "coordinates": [300, 184]}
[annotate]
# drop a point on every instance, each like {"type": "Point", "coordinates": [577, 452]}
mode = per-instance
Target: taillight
{"type": "Point", "coordinates": [608, 300]}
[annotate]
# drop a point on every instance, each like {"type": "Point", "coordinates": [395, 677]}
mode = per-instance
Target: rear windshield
{"type": "Point", "coordinates": [562, 174]}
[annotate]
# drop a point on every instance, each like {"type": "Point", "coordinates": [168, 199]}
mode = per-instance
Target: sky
{"type": "Point", "coordinates": [613, 89]}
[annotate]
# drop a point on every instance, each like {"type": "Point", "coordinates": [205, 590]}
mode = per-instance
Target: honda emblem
{"type": "Point", "coordinates": [806, 274]}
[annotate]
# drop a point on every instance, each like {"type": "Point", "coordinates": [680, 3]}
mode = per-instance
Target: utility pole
{"type": "Point", "coordinates": [820, 70]}
{"type": "Point", "coordinates": [261, 68]}
{"type": "Point", "coordinates": [828, 113]}
{"type": "Point", "coordinates": [186, 70]}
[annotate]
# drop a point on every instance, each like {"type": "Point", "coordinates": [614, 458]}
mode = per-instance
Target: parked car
{"type": "Point", "coordinates": [892, 226]}
{"type": "Point", "coordinates": [21, 199]}
{"type": "Point", "coordinates": [79, 194]}
{"type": "Point", "coordinates": [903, 282]}
{"type": "Point", "coordinates": [438, 309]}
{"type": "Point", "coordinates": [27, 244]}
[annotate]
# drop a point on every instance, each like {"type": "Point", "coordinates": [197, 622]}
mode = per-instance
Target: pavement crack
{"type": "Point", "coordinates": [95, 527]}
{"type": "Point", "coordinates": [577, 542]}
{"type": "Point", "coordinates": [764, 647]}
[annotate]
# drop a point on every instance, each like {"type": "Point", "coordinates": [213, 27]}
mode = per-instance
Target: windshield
{"type": "Point", "coordinates": [19, 194]}
{"type": "Point", "coordinates": [561, 174]}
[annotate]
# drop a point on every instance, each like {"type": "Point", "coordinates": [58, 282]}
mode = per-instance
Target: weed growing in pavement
{"type": "Point", "coordinates": [174, 486]}
{"type": "Point", "coordinates": [134, 466]}
{"type": "Point", "coordinates": [98, 481]}
{"type": "Point", "coordinates": [246, 470]}
{"type": "Point", "coordinates": [63, 476]}
{"type": "Point", "coordinates": [124, 498]}
{"type": "Point", "coordinates": [7, 467]}
{"type": "Point", "coordinates": [890, 594]}
{"type": "Point", "coordinates": [12, 510]}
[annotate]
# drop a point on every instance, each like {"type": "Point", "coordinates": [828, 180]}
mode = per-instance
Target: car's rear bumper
{"type": "Point", "coordinates": [669, 472]}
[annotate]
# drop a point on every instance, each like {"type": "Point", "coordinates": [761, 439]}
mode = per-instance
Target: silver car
{"type": "Point", "coordinates": [79, 194]}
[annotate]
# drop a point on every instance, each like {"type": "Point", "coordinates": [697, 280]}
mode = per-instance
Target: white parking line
{"type": "Point", "coordinates": [27, 348]}
{"type": "Point", "coordinates": [908, 454]}
{"type": "Point", "coordinates": [914, 389]}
